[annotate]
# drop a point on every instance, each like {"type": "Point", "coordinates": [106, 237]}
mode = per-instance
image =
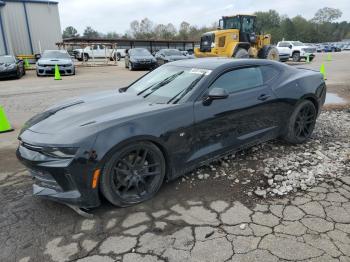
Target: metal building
{"type": "Point", "coordinates": [28, 27]}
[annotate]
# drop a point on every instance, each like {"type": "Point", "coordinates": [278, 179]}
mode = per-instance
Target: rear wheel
{"type": "Point", "coordinates": [301, 123]}
{"type": "Point", "coordinates": [133, 174]}
{"type": "Point", "coordinates": [241, 53]}
{"type": "Point", "coordinates": [85, 57]}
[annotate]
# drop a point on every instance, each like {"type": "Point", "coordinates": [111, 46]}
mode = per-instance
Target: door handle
{"type": "Point", "coordinates": [263, 97]}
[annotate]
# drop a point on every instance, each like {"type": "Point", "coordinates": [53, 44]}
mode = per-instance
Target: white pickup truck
{"type": "Point", "coordinates": [296, 50]}
{"type": "Point", "coordinates": [98, 51]}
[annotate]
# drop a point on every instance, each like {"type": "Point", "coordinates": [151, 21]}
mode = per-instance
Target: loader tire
{"type": "Point", "coordinates": [241, 53]}
{"type": "Point", "coordinates": [269, 52]}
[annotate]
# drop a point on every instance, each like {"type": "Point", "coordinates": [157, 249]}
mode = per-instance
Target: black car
{"type": "Point", "coordinates": [125, 143]}
{"type": "Point", "coordinates": [10, 66]}
{"type": "Point", "coordinates": [164, 56]}
{"type": "Point", "coordinates": [139, 58]}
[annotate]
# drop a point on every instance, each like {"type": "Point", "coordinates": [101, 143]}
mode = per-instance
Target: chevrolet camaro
{"type": "Point", "coordinates": [123, 144]}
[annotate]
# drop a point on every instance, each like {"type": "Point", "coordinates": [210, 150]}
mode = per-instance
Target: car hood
{"type": "Point", "coordinates": [59, 61]}
{"type": "Point", "coordinates": [142, 57]}
{"type": "Point", "coordinates": [176, 57]}
{"type": "Point", "coordinates": [96, 111]}
{"type": "Point", "coordinates": [5, 66]}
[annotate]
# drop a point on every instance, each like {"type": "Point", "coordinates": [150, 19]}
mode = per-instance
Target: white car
{"type": "Point", "coordinates": [50, 58]}
{"type": "Point", "coordinates": [296, 50]}
{"type": "Point", "coordinates": [98, 51]}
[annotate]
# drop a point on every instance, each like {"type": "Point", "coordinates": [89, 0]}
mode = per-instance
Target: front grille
{"type": "Point", "coordinates": [206, 42]}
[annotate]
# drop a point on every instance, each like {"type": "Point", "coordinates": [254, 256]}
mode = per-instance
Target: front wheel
{"type": "Point", "coordinates": [133, 174]}
{"type": "Point", "coordinates": [301, 123]}
{"type": "Point", "coordinates": [131, 67]}
{"type": "Point", "coordinates": [296, 57]}
{"type": "Point", "coordinates": [241, 53]}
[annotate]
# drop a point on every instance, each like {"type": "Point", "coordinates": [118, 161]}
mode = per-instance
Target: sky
{"type": "Point", "coordinates": [116, 15]}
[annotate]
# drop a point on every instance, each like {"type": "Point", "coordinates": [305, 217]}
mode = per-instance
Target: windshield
{"type": "Point", "coordinates": [168, 84]}
{"type": "Point", "coordinates": [232, 23]}
{"type": "Point", "coordinates": [171, 52]}
{"type": "Point", "coordinates": [297, 43]}
{"type": "Point", "coordinates": [55, 54]}
{"type": "Point", "coordinates": [139, 52]}
{"type": "Point", "coordinates": [6, 59]}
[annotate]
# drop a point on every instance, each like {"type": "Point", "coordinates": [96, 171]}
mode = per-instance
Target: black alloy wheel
{"type": "Point", "coordinates": [301, 123]}
{"type": "Point", "coordinates": [305, 122]}
{"type": "Point", "coordinates": [133, 174]}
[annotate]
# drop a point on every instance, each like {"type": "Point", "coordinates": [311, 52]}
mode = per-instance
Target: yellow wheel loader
{"type": "Point", "coordinates": [236, 38]}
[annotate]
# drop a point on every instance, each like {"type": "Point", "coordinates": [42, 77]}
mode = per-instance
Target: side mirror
{"type": "Point", "coordinates": [215, 94]}
{"type": "Point", "coordinates": [37, 56]}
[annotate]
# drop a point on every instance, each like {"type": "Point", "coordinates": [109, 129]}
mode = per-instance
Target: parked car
{"type": "Point", "coordinates": [139, 58]}
{"type": "Point", "coordinates": [347, 47]}
{"type": "Point", "coordinates": [98, 51]}
{"type": "Point", "coordinates": [296, 50]}
{"type": "Point", "coordinates": [164, 56]}
{"type": "Point", "coordinates": [331, 48]}
{"type": "Point", "coordinates": [124, 144]}
{"type": "Point", "coordinates": [50, 58]}
{"type": "Point", "coordinates": [10, 66]}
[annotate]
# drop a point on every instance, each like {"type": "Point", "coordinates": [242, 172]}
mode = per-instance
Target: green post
{"type": "Point", "coordinates": [323, 71]}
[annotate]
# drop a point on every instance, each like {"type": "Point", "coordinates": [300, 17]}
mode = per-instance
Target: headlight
{"type": "Point", "coordinates": [12, 66]}
{"type": "Point", "coordinates": [60, 152]}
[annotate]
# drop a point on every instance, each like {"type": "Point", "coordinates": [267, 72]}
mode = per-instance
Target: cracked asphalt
{"type": "Point", "coordinates": [211, 214]}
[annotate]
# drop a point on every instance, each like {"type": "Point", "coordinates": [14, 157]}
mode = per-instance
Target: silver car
{"type": "Point", "coordinates": [50, 58]}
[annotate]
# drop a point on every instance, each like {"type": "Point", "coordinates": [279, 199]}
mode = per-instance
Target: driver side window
{"type": "Point", "coordinates": [239, 79]}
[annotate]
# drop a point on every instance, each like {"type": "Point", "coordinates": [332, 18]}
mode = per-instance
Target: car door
{"type": "Point", "coordinates": [245, 117]}
{"type": "Point", "coordinates": [283, 48]}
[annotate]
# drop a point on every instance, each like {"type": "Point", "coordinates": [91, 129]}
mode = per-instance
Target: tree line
{"type": "Point", "coordinates": [321, 28]}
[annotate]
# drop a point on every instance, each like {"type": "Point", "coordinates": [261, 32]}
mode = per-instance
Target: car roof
{"type": "Point", "coordinates": [215, 62]}
{"type": "Point", "coordinates": [61, 51]}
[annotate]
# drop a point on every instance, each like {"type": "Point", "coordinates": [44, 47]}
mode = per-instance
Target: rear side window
{"type": "Point", "coordinates": [269, 73]}
{"type": "Point", "coordinates": [239, 79]}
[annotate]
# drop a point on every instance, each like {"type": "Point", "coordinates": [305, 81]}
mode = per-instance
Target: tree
{"type": "Point", "coordinates": [70, 31]}
{"type": "Point", "coordinates": [265, 21]}
{"type": "Point", "coordinates": [146, 29]}
{"type": "Point", "coordinates": [326, 15]}
{"type": "Point", "coordinates": [184, 31]}
{"type": "Point", "coordinates": [91, 33]}
{"type": "Point", "coordinates": [112, 35]}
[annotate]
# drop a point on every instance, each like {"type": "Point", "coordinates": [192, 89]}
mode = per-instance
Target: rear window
{"type": "Point", "coordinates": [269, 73]}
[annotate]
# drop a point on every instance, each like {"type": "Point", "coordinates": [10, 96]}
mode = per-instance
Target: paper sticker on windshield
{"type": "Point", "coordinates": [200, 71]}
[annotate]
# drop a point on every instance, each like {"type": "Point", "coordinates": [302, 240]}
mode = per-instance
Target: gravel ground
{"type": "Point", "coordinates": [217, 213]}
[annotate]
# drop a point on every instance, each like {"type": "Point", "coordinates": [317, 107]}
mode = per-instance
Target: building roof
{"type": "Point", "coordinates": [3, 2]}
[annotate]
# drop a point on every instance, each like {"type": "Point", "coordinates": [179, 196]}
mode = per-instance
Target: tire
{"type": "Point", "coordinates": [311, 58]}
{"type": "Point", "coordinates": [18, 73]}
{"type": "Point", "coordinates": [269, 52]}
{"type": "Point", "coordinates": [131, 68]}
{"type": "Point", "coordinates": [241, 53]}
{"type": "Point", "coordinates": [118, 57]}
{"type": "Point", "coordinates": [296, 57]}
{"type": "Point", "coordinates": [127, 180]}
{"type": "Point", "coordinates": [85, 58]}
{"type": "Point", "coordinates": [301, 123]}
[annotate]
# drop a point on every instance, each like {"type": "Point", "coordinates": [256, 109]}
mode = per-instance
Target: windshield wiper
{"type": "Point", "coordinates": [163, 83]}
{"type": "Point", "coordinates": [183, 92]}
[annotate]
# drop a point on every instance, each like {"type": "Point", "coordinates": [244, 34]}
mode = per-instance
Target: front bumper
{"type": "Point", "coordinates": [305, 54]}
{"type": "Point", "coordinates": [143, 65]}
{"type": "Point", "coordinates": [7, 74]}
{"type": "Point", "coordinates": [62, 180]}
{"type": "Point", "coordinates": [50, 70]}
